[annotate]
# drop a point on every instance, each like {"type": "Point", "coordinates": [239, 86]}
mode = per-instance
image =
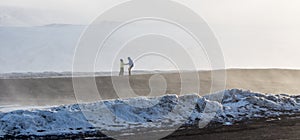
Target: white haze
{"type": "Point", "coordinates": [252, 33]}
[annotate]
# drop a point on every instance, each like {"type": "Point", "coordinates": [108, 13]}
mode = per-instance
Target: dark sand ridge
{"type": "Point", "coordinates": [53, 91]}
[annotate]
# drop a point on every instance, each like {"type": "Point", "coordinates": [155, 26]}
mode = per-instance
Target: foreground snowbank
{"type": "Point", "coordinates": [159, 112]}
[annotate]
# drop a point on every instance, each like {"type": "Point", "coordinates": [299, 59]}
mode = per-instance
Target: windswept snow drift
{"type": "Point", "coordinates": [157, 112]}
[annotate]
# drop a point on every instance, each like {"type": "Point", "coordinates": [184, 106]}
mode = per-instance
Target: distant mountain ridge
{"type": "Point", "coordinates": [38, 48]}
{"type": "Point", "coordinates": [19, 16]}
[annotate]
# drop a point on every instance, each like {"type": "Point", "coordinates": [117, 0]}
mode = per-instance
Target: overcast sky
{"type": "Point", "coordinates": [254, 12]}
{"type": "Point", "coordinates": [268, 30]}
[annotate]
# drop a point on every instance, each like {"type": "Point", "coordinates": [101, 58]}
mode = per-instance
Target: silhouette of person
{"type": "Point", "coordinates": [131, 65]}
{"type": "Point", "coordinates": [122, 64]}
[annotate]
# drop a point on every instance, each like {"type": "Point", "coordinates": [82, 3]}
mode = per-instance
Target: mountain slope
{"type": "Point", "coordinates": [43, 48]}
{"type": "Point", "coordinates": [17, 16]}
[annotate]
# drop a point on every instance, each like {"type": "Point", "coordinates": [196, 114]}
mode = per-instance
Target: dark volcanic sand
{"type": "Point", "coordinates": [56, 91]}
{"type": "Point", "coordinates": [261, 129]}
{"type": "Point", "coordinates": [286, 128]}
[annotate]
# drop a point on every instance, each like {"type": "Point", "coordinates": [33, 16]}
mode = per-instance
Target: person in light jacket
{"type": "Point", "coordinates": [122, 64]}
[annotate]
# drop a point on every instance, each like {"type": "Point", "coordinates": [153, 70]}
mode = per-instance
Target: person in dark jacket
{"type": "Point", "coordinates": [131, 65]}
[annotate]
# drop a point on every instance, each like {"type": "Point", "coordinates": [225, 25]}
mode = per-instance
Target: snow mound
{"type": "Point", "coordinates": [156, 112]}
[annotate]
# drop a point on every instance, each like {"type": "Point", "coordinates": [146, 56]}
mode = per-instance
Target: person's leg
{"type": "Point", "coordinates": [129, 70]}
{"type": "Point", "coordinates": [121, 72]}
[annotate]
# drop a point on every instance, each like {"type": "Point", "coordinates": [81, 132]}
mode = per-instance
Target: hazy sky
{"type": "Point", "coordinates": [252, 31]}
{"type": "Point", "coordinates": [236, 12]}
{"type": "Point", "coordinates": [255, 13]}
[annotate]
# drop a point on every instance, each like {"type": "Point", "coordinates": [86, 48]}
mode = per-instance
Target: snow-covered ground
{"type": "Point", "coordinates": [157, 112]}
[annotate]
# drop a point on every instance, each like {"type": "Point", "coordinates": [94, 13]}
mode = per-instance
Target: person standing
{"type": "Point", "coordinates": [122, 64]}
{"type": "Point", "coordinates": [131, 65]}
